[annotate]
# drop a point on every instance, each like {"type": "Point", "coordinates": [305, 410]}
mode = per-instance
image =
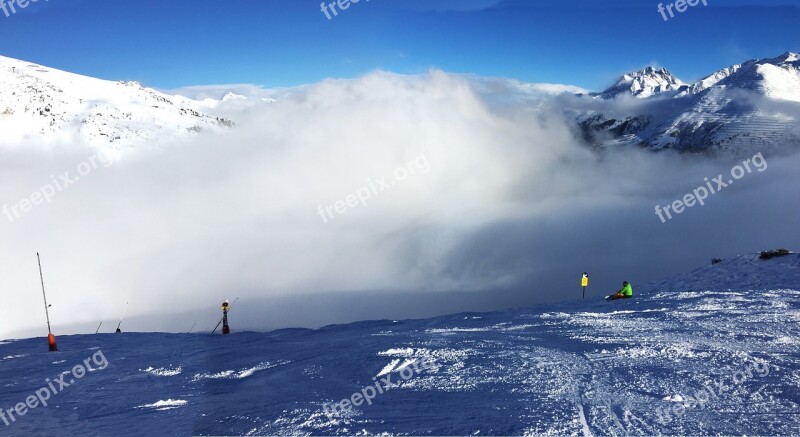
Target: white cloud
{"type": "Point", "coordinates": [511, 202]}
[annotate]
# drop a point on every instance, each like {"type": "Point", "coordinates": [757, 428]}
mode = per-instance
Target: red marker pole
{"type": "Point", "coordinates": [51, 339]}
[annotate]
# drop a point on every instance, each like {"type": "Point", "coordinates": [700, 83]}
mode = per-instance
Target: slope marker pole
{"type": "Point", "coordinates": [223, 317]}
{"type": "Point", "coordinates": [120, 319]}
{"type": "Point", "coordinates": [584, 283]}
{"type": "Point", "coordinates": [51, 339]}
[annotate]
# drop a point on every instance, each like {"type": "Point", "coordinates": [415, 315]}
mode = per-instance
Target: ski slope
{"type": "Point", "coordinates": [712, 351]}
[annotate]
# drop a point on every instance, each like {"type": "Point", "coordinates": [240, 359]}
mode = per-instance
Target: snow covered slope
{"type": "Point", "coordinates": [744, 108]}
{"type": "Point", "coordinates": [713, 351]}
{"type": "Point", "coordinates": [778, 78]}
{"type": "Point", "coordinates": [48, 105]}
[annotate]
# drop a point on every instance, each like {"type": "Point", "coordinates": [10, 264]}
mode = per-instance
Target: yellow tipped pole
{"type": "Point", "coordinates": [584, 283]}
{"type": "Point", "coordinates": [224, 319]}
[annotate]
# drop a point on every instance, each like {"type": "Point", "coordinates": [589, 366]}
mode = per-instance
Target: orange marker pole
{"type": "Point", "coordinates": [51, 339]}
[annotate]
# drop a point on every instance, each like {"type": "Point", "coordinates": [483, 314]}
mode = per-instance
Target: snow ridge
{"type": "Point", "coordinates": [51, 106]}
{"type": "Point", "coordinates": [743, 109]}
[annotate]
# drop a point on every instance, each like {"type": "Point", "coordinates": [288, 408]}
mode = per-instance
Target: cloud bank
{"type": "Point", "coordinates": [513, 208]}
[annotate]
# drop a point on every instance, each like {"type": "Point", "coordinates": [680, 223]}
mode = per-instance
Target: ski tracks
{"type": "Point", "coordinates": [604, 412]}
{"type": "Point", "coordinates": [584, 424]}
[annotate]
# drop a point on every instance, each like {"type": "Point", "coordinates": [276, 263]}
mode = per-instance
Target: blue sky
{"type": "Point", "coordinates": [274, 43]}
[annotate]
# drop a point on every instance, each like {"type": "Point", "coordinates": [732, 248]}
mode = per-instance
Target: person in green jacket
{"type": "Point", "coordinates": [625, 293]}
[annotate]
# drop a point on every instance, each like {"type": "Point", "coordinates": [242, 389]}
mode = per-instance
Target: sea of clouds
{"type": "Point", "coordinates": [513, 209]}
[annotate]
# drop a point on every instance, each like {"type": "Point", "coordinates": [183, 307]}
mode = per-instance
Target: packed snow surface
{"type": "Point", "coordinates": [713, 351]}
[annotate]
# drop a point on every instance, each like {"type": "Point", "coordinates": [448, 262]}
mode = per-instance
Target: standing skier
{"type": "Point", "coordinates": [625, 293]}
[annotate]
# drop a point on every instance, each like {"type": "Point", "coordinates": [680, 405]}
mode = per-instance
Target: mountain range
{"type": "Point", "coordinates": [746, 107]}
{"type": "Point", "coordinates": [743, 108]}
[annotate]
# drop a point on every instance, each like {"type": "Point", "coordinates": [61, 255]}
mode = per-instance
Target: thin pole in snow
{"type": "Point", "coordinates": [44, 295]}
{"type": "Point", "coordinates": [123, 316]}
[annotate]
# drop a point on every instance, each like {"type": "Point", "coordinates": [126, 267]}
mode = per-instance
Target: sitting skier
{"type": "Point", "coordinates": [625, 293]}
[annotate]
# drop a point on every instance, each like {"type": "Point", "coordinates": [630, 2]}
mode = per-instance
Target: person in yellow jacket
{"type": "Point", "coordinates": [625, 293]}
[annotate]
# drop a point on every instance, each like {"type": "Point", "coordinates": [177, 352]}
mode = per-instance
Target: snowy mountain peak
{"type": "Point", "coordinates": [645, 83]}
{"type": "Point", "coordinates": [232, 96]}
{"type": "Point", "coordinates": [788, 57]}
{"type": "Point", "coordinates": [710, 114]}
{"type": "Point", "coordinates": [709, 81]}
{"type": "Point", "coordinates": [777, 78]}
